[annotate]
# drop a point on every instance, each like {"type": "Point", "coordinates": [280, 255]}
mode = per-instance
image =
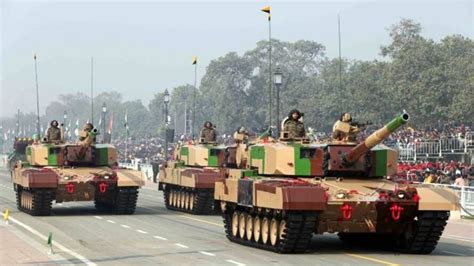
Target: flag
{"type": "Point", "coordinates": [76, 130]}
{"type": "Point", "coordinates": [50, 239]}
{"type": "Point", "coordinates": [100, 122]}
{"type": "Point", "coordinates": [111, 121]}
{"type": "Point", "coordinates": [127, 129]}
{"type": "Point", "coordinates": [267, 10]}
{"type": "Point", "coordinates": [34, 56]}
{"type": "Point", "coordinates": [6, 215]}
{"type": "Point", "coordinates": [195, 60]}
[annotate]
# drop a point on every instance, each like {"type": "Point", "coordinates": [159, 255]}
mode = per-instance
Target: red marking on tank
{"type": "Point", "coordinates": [70, 188]}
{"type": "Point", "coordinates": [396, 211]}
{"type": "Point", "coordinates": [416, 198]}
{"type": "Point", "coordinates": [353, 191]}
{"type": "Point", "coordinates": [346, 210]}
{"type": "Point", "coordinates": [383, 195]}
{"type": "Point", "coordinates": [326, 196]}
{"type": "Point", "coordinates": [103, 187]}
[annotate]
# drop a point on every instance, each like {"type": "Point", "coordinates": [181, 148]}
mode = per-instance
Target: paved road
{"type": "Point", "coordinates": [154, 235]}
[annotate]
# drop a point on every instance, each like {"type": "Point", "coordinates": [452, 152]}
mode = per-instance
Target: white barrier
{"type": "Point", "coordinates": [435, 148]}
{"type": "Point", "coordinates": [3, 160]}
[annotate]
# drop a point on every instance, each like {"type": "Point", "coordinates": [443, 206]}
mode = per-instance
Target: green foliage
{"type": "Point", "coordinates": [431, 80]}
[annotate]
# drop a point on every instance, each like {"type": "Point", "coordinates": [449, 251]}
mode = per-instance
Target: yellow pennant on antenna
{"type": "Point", "coordinates": [195, 60]}
{"type": "Point", "coordinates": [6, 215]}
{"type": "Point", "coordinates": [267, 10]}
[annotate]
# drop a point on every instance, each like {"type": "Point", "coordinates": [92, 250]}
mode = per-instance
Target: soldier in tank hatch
{"type": "Point", "coordinates": [343, 130]}
{"type": "Point", "coordinates": [85, 131]}
{"type": "Point", "coordinates": [208, 133]}
{"type": "Point", "coordinates": [53, 134]}
{"type": "Point", "coordinates": [294, 126]}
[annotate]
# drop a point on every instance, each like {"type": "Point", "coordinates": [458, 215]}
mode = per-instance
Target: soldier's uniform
{"type": "Point", "coordinates": [53, 133]}
{"type": "Point", "coordinates": [343, 130]}
{"type": "Point", "coordinates": [85, 131]}
{"type": "Point", "coordinates": [208, 133]}
{"type": "Point", "coordinates": [294, 127]}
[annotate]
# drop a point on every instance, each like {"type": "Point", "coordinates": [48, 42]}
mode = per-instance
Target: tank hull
{"type": "Point", "coordinates": [112, 190]}
{"type": "Point", "coordinates": [188, 189]}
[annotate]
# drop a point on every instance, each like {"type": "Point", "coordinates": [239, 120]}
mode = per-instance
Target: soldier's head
{"type": "Point", "coordinates": [242, 130]}
{"type": "Point", "coordinates": [54, 123]}
{"type": "Point", "coordinates": [346, 117]}
{"type": "Point", "coordinates": [88, 127]}
{"type": "Point", "coordinates": [207, 124]}
{"type": "Point", "coordinates": [294, 115]}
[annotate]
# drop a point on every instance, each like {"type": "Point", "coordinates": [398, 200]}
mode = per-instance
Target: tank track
{"type": "Point", "coordinates": [194, 201]}
{"type": "Point", "coordinates": [35, 202]}
{"type": "Point", "coordinates": [124, 202]}
{"type": "Point", "coordinates": [423, 234]}
{"type": "Point", "coordinates": [294, 237]}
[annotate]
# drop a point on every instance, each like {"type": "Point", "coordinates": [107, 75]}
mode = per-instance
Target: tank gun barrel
{"type": "Point", "coordinates": [375, 138]}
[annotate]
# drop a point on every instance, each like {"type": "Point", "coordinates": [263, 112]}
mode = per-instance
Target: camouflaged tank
{"type": "Point", "coordinates": [287, 190]}
{"type": "Point", "coordinates": [66, 172]}
{"type": "Point", "coordinates": [188, 180]}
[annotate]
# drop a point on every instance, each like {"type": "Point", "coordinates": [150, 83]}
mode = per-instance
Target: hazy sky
{"type": "Point", "coordinates": [142, 47]}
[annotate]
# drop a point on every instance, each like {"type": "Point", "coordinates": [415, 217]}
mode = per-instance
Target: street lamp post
{"type": "Point", "coordinates": [104, 114]}
{"type": "Point", "coordinates": [166, 100]}
{"type": "Point", "coordinates": [64, 125]}
{"type": "Point", "coordinates": [278, 79]}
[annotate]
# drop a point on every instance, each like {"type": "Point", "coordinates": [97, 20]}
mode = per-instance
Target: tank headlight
{"type": "Point", "coordinates": [340, 195]}
{"type": "Point", "coordinates": [66, 177]}
{"type": "Point", "coordinates": [106, 177]}
{"type": "Point", "coordinates": [401, 195]}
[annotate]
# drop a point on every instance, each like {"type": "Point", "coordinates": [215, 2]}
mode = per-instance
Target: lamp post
{"type": "Point", "coordinates": [104, 113]}
{"type": "Point", "coordinates": [278, 79]}
{"type": "Point", "coordinates": [166, 99]}
{"type": "Point", "coordinates": [64, 125]}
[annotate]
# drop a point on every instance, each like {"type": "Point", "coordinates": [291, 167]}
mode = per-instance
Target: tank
{"type": "Point", "coordinates": [64, 172]}
{"type": "Point", "coordinates": [19, 151]}
{"type": "Point", "coordinates": [187, 181]}
{"type": "Point", "coordinates": [289, 190]}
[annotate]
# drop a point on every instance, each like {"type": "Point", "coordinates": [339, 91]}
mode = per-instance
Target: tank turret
{"type": "Point", "coordinates": [375, 138]}
{"type": "Point", "coordinates": [83, 153]}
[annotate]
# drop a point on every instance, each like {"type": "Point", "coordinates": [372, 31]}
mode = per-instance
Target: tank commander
{"type": "Point", "coordinates": [208, 133]}
{"type": "Point", "coordinates": [241, 135]}
{"type": "Point", "coordinates": [293, 126]}
{"type": "Point", "coordinates": [85, 131]}
{"type": "Point", "coordinates": [343, 130]}
{"type": "Point", "coordinates": [53, 134]}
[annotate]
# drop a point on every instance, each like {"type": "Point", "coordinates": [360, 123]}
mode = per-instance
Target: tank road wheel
{"type": "Point", "coordinates": [422, 235]}
{"type": "Point", "coordinates": [35, 202]}
{"type": "Point", "coordinates": [274, 231]}
{"type": "Point", "coordinates": [126, 200]}
{"type": "Point", "coordinates": [186, 200]}
{"type": "Point", "coordinates": [191, 200]}
{"type": "Point", "coordinates": [173, 198]}
{"type": "Point", "coordinates": [265, 230]}
{"type": "Point", "coordinates": [242, 220]}
{"type": "Point", "coordinates": [282, 229]}
{"type": "Point", "coordinates": [18, 198]}
{"type": "Point", "coordinates": [249, 227]}
{"type": "Point", "coordinates": [257, 223]}
{"type": "Point", "coordinates": [235, 224]}
{"type": "Point", "coordinates": [182, 197]}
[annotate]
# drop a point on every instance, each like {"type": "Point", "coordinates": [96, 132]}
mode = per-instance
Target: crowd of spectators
{"type": "Point", "coordinates": [448, 173]}
{"type": "Point", "coordinates": [147, 150]}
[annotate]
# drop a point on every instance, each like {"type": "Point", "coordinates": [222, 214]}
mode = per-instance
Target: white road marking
{"type": "Point", "coordinates": [55, 243]}
{"type": "Point", "coordinates": [98, 217]}
{"type": "Point", "coordinates": [457, 238]}
{"type": "Point", "coordinates": [453, 253]}
{"type": "Point", "coordinates": [124, 226]}
{"type": "Point", "coordinates": [235, 262]}
{"type": "Point", "coordinates": [141, 231]}
{"type": "Point", "coordinates": [160, 238]}
{"type": "Point", "coordinates": [207, 253]}
{"type": "Point", "coordinates": [180, 245]}
{"type": "Point", "coordinates": [110, 221]}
